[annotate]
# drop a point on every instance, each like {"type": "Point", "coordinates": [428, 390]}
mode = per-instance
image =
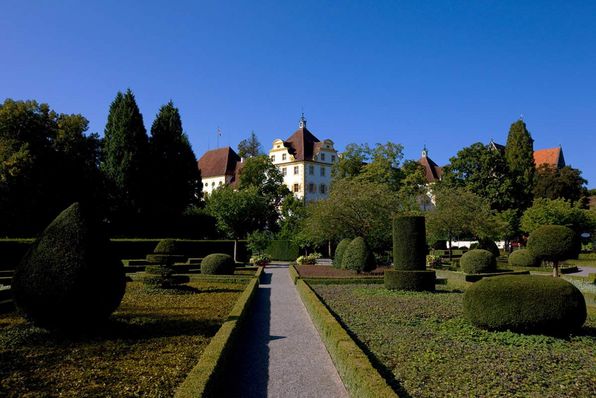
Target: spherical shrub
{"type": "Point", "coordinates": [489, 245]}
{"type": "Point", "coordinates": [358, 257]}
{"type": "Point", "coordinates": [69, 278]}
{"type": "Point", "coordinates": [478, 261]}
{"type": "Point", "coordinates": [522, 258]}
{"type": "Point", "coordinates": [409, 243]}
{"type": "Point", "coordinates": [339, 252]}
{"type": "Point", "coordinates": [525, 303]}
{"type": "Point", "coordinates": [166, 246]}
{"type": "Point", "coordinates": [554, 243]}
{"type": "Point", "coordinates": [218, 264]}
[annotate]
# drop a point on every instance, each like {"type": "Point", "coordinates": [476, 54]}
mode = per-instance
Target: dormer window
{"type": "Point", "coordinates": [283, 156]}
{"type": "Point", "coordinates": [323, 157]}
{"type": "Point", "coordinates": [273, 158]}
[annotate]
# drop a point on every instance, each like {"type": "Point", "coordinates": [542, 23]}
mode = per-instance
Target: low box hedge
{"type": "Point", "coordinates": [282, 250]}
{"type": "Point", "coordinates": [357, 373]}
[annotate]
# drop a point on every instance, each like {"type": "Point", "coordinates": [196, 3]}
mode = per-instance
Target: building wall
{"type": "Point", "coordinates": [212, 183]}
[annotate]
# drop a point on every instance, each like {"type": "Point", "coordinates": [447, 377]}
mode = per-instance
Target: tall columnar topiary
{"type": "Point", "coordinates": [525, 303]}
{"type": "Point", "coordinates": [409, 256]}
{"type": "Point", "coordinates": [554, 243]}
{"type": "Point", "coordinates": [160, 272]}
{"type": "Point", "coordinates": [69, 278]}
{"type": "Point", "coordinates": [339, 252]}
{"type": "Point", "coordinates": [358, 257]}
{"type": "Point", "coordinates": [478, 261]}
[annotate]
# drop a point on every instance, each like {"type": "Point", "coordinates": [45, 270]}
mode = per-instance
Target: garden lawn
{"type": "Point", "coordinates": [146, 349]}
{"type": "Point", "coordinates": [426, 346]}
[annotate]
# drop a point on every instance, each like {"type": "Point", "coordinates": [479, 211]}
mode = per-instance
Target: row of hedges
{"type": "Point", "coordinates": [283, 250]}
{"type": "Point", "coordinates": [12, 250]}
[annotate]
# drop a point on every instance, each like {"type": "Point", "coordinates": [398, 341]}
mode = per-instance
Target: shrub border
{"type": "Point", "coordinates": [204, 378]}
{"type": "Point", "coordinates": [359, 376]}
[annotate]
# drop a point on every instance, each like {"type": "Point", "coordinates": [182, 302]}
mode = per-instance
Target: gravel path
{"type": "Point", "coordinates": [280, 353]}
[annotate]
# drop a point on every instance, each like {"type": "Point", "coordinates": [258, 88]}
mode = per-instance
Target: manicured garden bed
{"type": "Point", "coordinates": [151, 343]}
{"type": "Point", "coordinates": [319, 271]}
{"type": "Point", "coordinates": [428, 350]}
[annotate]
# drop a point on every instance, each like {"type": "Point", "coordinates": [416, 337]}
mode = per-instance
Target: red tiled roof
{"type": "Point", "coordinates": [219, 162]}
{"type": "Point", "coordinates": [432, 171]}
{"type": "Point", "coordinates": [302, 144]}
{"type": "Point", "coordinates": [550, 156]}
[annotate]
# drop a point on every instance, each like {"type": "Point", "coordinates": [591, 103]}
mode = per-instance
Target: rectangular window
{"type": "Point", "coordinates": [332, 158]}
{"type": "Point", "coordinates": [284, 171]}
{"type": "Point", "coordinates": [323, 188]}
{"type": "Point", "coordinates": [312, 188]}
{"type": "Point", "coordinates": [283, 156]}
{"type": "Point", "coordinates": [296, 169]}
{"type": "Point", "coordinates": [296, 188]}
{"type": "Point", "coordinates": [273, 158]}
{"type": "Point", "coordinates": [323, 157]}
{"type": "Point", "coordinates": [322, 170]}
{"type": "Point", "coordinates": [311, 170]}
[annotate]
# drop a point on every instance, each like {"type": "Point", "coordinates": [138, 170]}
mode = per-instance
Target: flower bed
{"type": "Point", "coordinates": [147, 349]}
{"type": "Point", "coordinates": [424, 343]}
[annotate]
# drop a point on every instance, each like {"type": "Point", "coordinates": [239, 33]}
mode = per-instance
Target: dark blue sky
{"type": "Point", "coordinates": [441, 73]}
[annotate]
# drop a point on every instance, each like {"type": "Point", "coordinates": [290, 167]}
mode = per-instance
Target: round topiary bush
{"type": "Point", "coordinates": [525, 303]}
{"type": "Point", "coordinates": [218, 264]}
{"type": "Point", "coordinates": [166, 246]}
{"type": "Point", "coordinates": [69, 278]}
{"type": "Point", "coordinates": [339, 252]}
{"type": "Point", "coordinates": [358, 257]}
{"type": "Point", "coordinates": [522, 258]}
{"type": "Point", "coordinates": [554, 243]}
{"type": "Point", "coordinates": [165, 253]}
{"type": "Point", "coordinates": [489, 245]}
{"type": "Point", "coordinates": [478, 261]}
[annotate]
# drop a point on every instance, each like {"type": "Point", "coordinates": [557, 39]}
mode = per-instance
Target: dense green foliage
{"type": "Point", "coordinates": [565, 183]}
{"type": "Point", "coordinates": [416, 281]}
{"type": "Point", "coordinates": [525, 303]}
{"type": "Point", "coordinates": [250, 146]}
{"type": "Point", "coordinates": [166, 246]}
{"type": "Point", "coordinates": [175, 177]}
{"type": "Point", "coordinates": [46, 163]}
{"type": "Point", "coordinates": [283, 250]}
{"type": "Point", "coordinates": [489, 245]}
{"type": "Point", "coordinates": [218, 264]}
{"type": "Point", "coordinates": [339, 252]}
{"type": "Point", "coordinates": [358, 257]}
{"type": "Point", "coordinates": [68, 278]}
{"type": "Point", "coordinates": [554, 243]}
{"type": "Point", "coordinates": [519, 154]}
{"type": "Point", "coordinates": [425, 347]}
{"type": "Point", "coordinates": [478, 261]}
{"type": "Point", "coordinates": [557, 212]}
{"type": "Point", "coordinates": [522, 258]}
{"type": "Point", "coordinates": [409, 243]}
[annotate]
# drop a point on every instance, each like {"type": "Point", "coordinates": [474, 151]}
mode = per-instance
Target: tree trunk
{"type": "Point", "coordinates": [556, 269]}
{"type": "Point", "coordinates": [235, 249]}
{"type": "Point", "coordinates": [450, 250]}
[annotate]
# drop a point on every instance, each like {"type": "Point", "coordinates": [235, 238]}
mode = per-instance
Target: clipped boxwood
{"type": "Point", "coordinates": [358, 257]}
{"type": "Point", "coordinates": [522, 258]}
{"type": "Point", "coordinates": [166, 246]}
{"type": "Point", "coordinates": [218, 264]}
{"type": "Point", "coordinates": [487, 244]}
{"type": "Point", "coordinates": [554, 243]}
{"type": "Point", "coordinates": [409, 243]}
{"type": "Point", "coordinates": [478, 261]}
{"type": "Point", "coordinates": [410, 280]}
{"type": "Point", "coordinates": [69, 278]}
{"type": "Point", "coordinates": [283, 250]}
{"type": "Point", "coordinates": [339, 252]}
{"type": "Point", "coordinates": [525, 303]}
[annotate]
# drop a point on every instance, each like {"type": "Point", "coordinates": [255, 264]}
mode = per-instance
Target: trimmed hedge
{"type": "Point", "coordinates": [339, 252]}
{"type": "Point", "coordinates": [218, 264]}
{"type": "Point", "coordinates": [358, 257]}
{"type": "Point", "coordinates": [68, 278]}
{"type": "Point", "coordinates": [522, 258]}
{"type": "Point", "coordinates": [489, 245]}
{"type": "Point", "coordinates": [410, 280]}
{"type": "Point", "coordinates": [409, 243]}
{"type": "Point", "coordinates": [525, 303]}
{"type": "Point", "coordinates": [208, 375]}
{"type": "Point", "coordinates": [282, 250]}
{"type": "Point", "coordinates": [357, 373]}
{"type": "Point", "coordinates": [478, 261]}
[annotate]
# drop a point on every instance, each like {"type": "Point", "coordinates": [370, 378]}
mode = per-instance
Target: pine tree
{"type": "Point", "coordinates": [175, 179]}
{"type": "Point", "coordinates": [125, 159]}
{"type": "Point", "coordinates": [249, 147]}
{"type": "Point", "coordinates": [519, 154]}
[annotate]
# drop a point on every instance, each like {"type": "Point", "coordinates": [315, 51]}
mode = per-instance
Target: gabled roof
{"type": "Point", "coordinates": [431, 170]}
{"type": "Point", "coordinates": [219, 162]}
{"type": "Point", "coordinates": [550, 156]}
{"type": "Point", "coordinates": [302, 144]}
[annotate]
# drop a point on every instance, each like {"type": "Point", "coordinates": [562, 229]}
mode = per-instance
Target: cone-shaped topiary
{"type": "Point", "coordinates": [478, 261]}
{"type": "Point", "coordinates": [69, 278]}
{"type": "Point", "coordinates": [409, 256]}
{"type": "Point", "coordinates": [339, 252]}
{"type": "Point", "coordinates": [554, 243]}
{"type": "Point", "coordinates": [218, 264]}
{"type": "Point", "coordinates": [358, 257]}
{"type": "Point", "coordinates": [525, 303]}
{"type": "Point", "coordinates": [522, 258]}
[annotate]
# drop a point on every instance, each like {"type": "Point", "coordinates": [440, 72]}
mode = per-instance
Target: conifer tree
{"type": "Point", "coordinates": [249, 147]}
{"type": "Point", "coordinates": [519, 154]}
{"type": "Point", "coordinates": [125, 159]}
{"type": "Point", "coordinates": [175, 178]}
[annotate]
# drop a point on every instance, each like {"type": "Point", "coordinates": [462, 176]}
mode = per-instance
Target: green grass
{"type": "Point", "coordinates": [423, 340]}
{"type": "Point", "coordinates": [151, 343]}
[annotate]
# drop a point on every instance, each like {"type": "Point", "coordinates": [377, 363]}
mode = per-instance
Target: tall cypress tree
{"type": "Point", "coordinates": [176, 179]}
{"type": "Point", "coordinates": [519, 154]}
{"type": "Point", "coordinates": [125, 159]}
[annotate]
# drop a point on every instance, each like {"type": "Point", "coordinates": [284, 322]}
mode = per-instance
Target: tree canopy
{"type": "Point", "coordinates": [558, 212]}
{"type": "Point", "coordinates": [554, 183]}
{"type": "Point", "coordinates": [250, 146]}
